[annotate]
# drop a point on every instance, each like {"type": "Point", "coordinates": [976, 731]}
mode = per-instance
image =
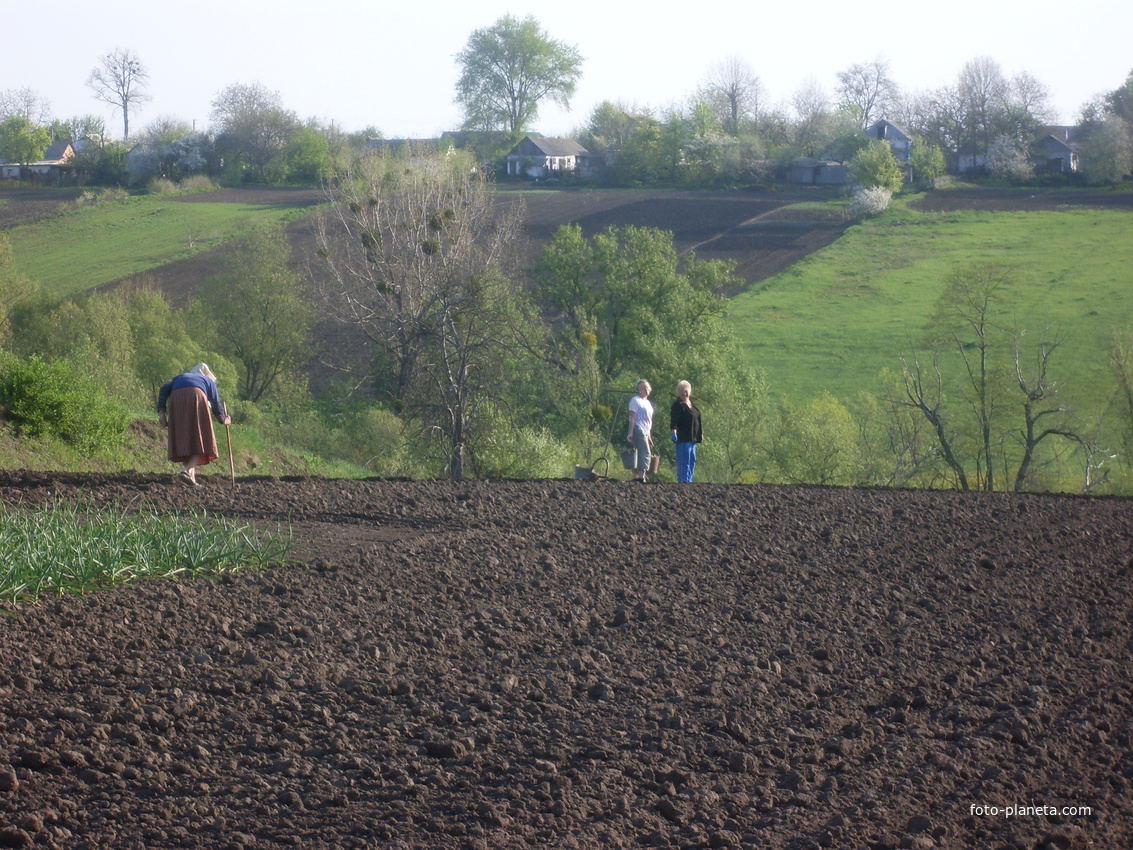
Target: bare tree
{"type": "Point", "coordinates": [416, 257]}
{"type": "Point", "coordinates": [1040, 403]}
{"type": "Point", "coordinates": [814, 118]}
{"type": "Point", "coordinates": [25, 103]}
{"type": "Point", "coordinates": [734, 92]}
{"type": "Point", "coordinates": [966, 314]}
{"type": "Point", "coordinates": [983, 93]}
{"type": "Point", "coordinates": [1032, 96]}
{"type": "Point", "coordinates": [928, 398]}
{"type": "Point", "coordinates": [120, 80]}
{"type": "Point", "coordinates": [868, 90]}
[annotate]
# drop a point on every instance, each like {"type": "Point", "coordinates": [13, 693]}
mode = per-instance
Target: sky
{"type": "Point", "coordinates": [392, 66]}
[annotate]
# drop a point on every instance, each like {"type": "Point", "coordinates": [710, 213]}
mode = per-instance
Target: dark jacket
{"type": "Point", "coordinates": [685, 421]}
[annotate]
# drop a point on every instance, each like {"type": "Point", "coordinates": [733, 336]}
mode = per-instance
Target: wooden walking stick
{"type": "Point", "coordinates": [231, 465]}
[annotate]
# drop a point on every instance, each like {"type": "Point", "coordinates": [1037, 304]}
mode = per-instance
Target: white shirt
{"type": "Point", "coordinates": [643, 407]}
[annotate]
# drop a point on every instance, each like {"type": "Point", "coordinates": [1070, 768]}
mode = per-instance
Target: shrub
{"type": "Point", "coordinates": [93, 197]}
{"type": "Point", "coordinates": [871, 201]}
{"type": "Point", "coordinates": [528, 452]}
{"type": "Point", "coordinates": [54, 399]}
{"type": "Point", "coordinates": [198, 183]}
{"type": "Point", "coordinates": [161, 186]}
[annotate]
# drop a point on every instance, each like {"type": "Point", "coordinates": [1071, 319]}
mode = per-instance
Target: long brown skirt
{"type": "Point", "coordinates": [190, 427]}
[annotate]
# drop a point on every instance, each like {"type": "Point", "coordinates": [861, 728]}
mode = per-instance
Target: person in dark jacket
{"type": "Point", "coordinates": [193, 401]}
{"type": "Point", "coordinates": [684, 422]}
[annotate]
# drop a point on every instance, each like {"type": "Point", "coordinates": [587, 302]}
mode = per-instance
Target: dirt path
{"type": "Point", "coordinates": [567, 664]}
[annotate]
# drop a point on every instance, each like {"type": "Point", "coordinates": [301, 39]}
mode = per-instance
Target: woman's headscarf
{"type": "Point", "coordinates": [202, 369]}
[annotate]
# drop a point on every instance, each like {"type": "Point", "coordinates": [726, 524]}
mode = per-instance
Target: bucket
{"type": "Point", "coordinates": [629, 458]}
{"type": "Point", "coordinates": [591, 473]}
{"type": "Point", "coordinates": [654, 464]}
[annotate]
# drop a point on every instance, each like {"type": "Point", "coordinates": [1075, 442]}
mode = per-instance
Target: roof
{"type": "Point", "coordinates": [398, 144]}
{"type": "Point", "coordinates": [554, 147]}
{"type": "Point", "coordinates": [884, 122]}
{"type": "Point", "coordinates": [1067, 135]}
{"type": "Point", "coordinates": [1054, 144]}
{"type": "Point", "coordinates": [58, 151]}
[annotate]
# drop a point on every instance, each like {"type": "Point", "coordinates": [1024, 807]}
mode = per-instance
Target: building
{"type": "Point", "coordinates": [51, 169]}
{"type": "Point", "coordinates": [541, 158]}
{"type": "Point", "coordinates": [900, 141]}
{"type": "Point", "coordinates": [1057, 151]}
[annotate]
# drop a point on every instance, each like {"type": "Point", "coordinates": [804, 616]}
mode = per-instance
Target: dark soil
{"type": "Point", "coordinates": [588, 665]}
{"type": "Point", "coordinates": [1024, 199]}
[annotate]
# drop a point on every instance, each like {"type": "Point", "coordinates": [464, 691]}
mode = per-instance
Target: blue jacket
{"type": "Point", "coordinates": [190, 379]}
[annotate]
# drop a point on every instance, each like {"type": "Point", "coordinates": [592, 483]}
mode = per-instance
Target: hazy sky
{"type": "Point", "coordinates": [392, 66]}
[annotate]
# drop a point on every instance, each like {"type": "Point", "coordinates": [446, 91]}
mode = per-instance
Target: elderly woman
{"type": "Point", "coordinates": [192, 400]}
{"type": "Point", "coordinates": [684, 422]}
{"type": "Point", "coordinates": [641, 429]}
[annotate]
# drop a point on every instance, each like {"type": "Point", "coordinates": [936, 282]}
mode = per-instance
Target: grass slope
{"type": "Point", "coordinates": [835, 320]}
{"type": "Point", "coordinates": [89, 246]}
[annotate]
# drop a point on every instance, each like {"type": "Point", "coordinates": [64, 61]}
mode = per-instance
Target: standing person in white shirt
{"type": "Point", "coordinates": [641, 429]}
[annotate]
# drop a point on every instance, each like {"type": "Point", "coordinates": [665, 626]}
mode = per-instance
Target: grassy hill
{"type": "Point", "coordinates": [833, 321]}
{"type": "Point", "coordinates": [81, 247]}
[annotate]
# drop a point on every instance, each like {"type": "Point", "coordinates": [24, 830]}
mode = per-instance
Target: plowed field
{"type": "Point", "coordinates": [590, 665]}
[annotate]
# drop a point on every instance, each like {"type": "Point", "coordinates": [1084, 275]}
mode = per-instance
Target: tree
{"type": "Point", "coordinates": [968, 320]}
{"type": "Point", "coordinates": [926, 161]}
{"type": "Point", "coordinates": [1119, 102]}
{"type": "Point", "coordinates": [14, 287]}
{"type": "Point", "coordinates": [816, 444]}
{"type": "Point", "coordinates": [168, 148]}
{"type": "Point", "coordinates": [733, 91]}
{"type": "Point", "coordinates": [507, 69]}
{"type": "Point", "coordinates": [966, 314]}
{"type": "Point", "coordinates": [417, 257]}
{"type": "Point", "coordinates": [101, 165]}
{"type": "Point", "coordinates": [982, 91]}
{"type": "Point", "coordinates": [22, 141]}
{"type": "Point", "coordinates": [1040, 402]}
{"type": "Point", "coordinates": [1031, 97]}
{"type": "Point", "coordinates": [26, 103]}
{"type": "Point", "coordinates": [307, 156]}
{"type": "Point", "coordinates": [162, 344]}
{"type": "Point", "coordinates": [647, 307]}
{"type": "Point", "coordinates": [1008, 159]}
{"type": "Point", "coordinates": [255, 311]}
{"type": "Point", "coordinates": [252, 128]}
{"type": "Point", "coordinates": [120, 80]}
{"type": "Point", "coordinates": [608, 129]}
{"type": "Point", "coordinates": [78, 127]}
{"type": "Point", "coordinates": [867, 90]}
{"type": "Point", "coordinates": [813, 118]}
{"type": "Point", "coordinates": [875, 165]}
{"type": "Point", "coordinates": [91, 331]}
{"type": "Point", "coordinates": [1107, 157]}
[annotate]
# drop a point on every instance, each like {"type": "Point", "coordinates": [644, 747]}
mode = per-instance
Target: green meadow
{"type": "Point", "coordinates": [96, 244]}
{"type": "Point", "coordinates": [834, 321]}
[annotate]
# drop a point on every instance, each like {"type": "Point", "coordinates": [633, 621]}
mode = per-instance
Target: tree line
{"type": "Point", "coordinates": [725, 132]}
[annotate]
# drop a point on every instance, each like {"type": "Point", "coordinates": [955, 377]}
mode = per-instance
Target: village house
{"type": "Point", "coordinates": [50, 169]}
{"type": "Point", "coordinates": [541, 158]}
{"type": "Point", "coordinates": [900, 141]}
{"type": "Point", "coordinates": [1057, 151]}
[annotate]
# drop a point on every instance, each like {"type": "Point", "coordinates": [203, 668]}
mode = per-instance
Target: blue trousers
{"type": "Point", "coordinates": [686, 462]}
